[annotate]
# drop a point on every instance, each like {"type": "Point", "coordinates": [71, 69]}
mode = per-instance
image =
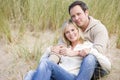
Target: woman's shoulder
{"type": "Point", "coordinates": [87, 43]}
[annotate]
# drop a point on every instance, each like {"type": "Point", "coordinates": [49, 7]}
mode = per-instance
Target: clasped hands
{"type": "Point", "coordinates": [63, 50]}
{"type": "Point", "coordinates": [60, 49]}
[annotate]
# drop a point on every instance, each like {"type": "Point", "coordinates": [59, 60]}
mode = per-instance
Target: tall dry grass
{"type": "Point", "coordinates": [37, 15]}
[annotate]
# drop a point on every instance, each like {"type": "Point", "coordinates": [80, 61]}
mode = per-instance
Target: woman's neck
{"type": "Point", "coordinates": [73, 44]}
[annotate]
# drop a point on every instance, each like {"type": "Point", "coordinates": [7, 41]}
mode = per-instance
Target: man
{"type": "Point", "coordinates": [95, 32]}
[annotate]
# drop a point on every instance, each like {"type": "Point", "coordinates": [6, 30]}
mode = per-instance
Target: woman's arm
{"type": "Point", "coordinates": [69, 52]}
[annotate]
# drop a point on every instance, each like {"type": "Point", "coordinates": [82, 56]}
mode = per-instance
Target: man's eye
{"type": "Point", "coordinates": [73, 17]}
{"type": "Point", "coordinates": [78, 13]}
{"type": "Point", "coordinates": [72, 30]}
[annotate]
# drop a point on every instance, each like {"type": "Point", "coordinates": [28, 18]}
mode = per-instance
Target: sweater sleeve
{"type": "Point", "coordinates": [103, 60]}
{"type": "Point", "coordinates": [101, 38]}
{"type": "Point", "coordinates": [46, 53]}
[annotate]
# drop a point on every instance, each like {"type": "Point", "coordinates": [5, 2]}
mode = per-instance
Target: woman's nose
{"type": "Point", "coordinates": [71, 32]}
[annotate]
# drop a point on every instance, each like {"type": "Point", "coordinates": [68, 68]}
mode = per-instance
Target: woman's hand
{"type": "Point", "coordinates": [56, 49]}
{"type": "Point", "coordinates": [67, 52]}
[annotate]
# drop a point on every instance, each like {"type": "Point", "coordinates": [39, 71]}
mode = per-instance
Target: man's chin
{"type": "Point", "coordinates": [78, 25]}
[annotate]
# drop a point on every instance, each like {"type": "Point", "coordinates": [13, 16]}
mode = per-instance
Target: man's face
{"type": "Point", "coordinates": [79, 16]}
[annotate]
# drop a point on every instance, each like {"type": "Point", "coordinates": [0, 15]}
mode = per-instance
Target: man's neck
{"type": "Point", "coordinates": [86, 25]}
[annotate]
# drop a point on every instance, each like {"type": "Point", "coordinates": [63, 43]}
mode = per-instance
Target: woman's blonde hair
{"type": "Point", "coordinates": [64, 26]}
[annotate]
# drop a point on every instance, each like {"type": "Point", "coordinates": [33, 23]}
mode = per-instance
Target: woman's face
{"type": "Point", "coordinates": [71, 33]}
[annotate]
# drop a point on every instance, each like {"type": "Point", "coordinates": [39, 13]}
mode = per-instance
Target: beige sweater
{"type": "Point", "coordinates": [97, 33]}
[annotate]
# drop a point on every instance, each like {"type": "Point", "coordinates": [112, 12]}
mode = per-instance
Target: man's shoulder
{"type": "Point", "coordinates": [97, 25]}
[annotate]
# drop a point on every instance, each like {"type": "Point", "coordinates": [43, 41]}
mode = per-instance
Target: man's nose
{"type": "Point", "coordinates": [76, 17]}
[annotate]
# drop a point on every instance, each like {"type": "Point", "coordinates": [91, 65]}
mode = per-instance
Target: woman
{"type": "Point", "coordinates": [70, 60]}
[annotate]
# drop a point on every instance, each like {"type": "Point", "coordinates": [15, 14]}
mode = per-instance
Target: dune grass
{"type": "Point", "coordinates": [37, 15]}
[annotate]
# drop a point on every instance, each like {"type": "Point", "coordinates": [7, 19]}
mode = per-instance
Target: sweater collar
{"type": "Point", "coordinates": [92, 23]}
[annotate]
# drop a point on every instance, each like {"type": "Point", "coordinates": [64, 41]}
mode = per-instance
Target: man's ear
{"type": "Point", "coordinates": [86, 12]}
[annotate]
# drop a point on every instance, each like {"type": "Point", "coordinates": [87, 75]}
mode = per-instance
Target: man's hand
{"type": "Point", "coordinates": [84, 52]}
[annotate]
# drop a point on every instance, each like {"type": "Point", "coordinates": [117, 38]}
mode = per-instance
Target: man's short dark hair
{"type": "Point", "coordinates": [80, 3]}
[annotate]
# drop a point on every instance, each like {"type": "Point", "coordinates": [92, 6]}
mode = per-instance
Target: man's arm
{"type": "Point", "coordinates": [100, 38]}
